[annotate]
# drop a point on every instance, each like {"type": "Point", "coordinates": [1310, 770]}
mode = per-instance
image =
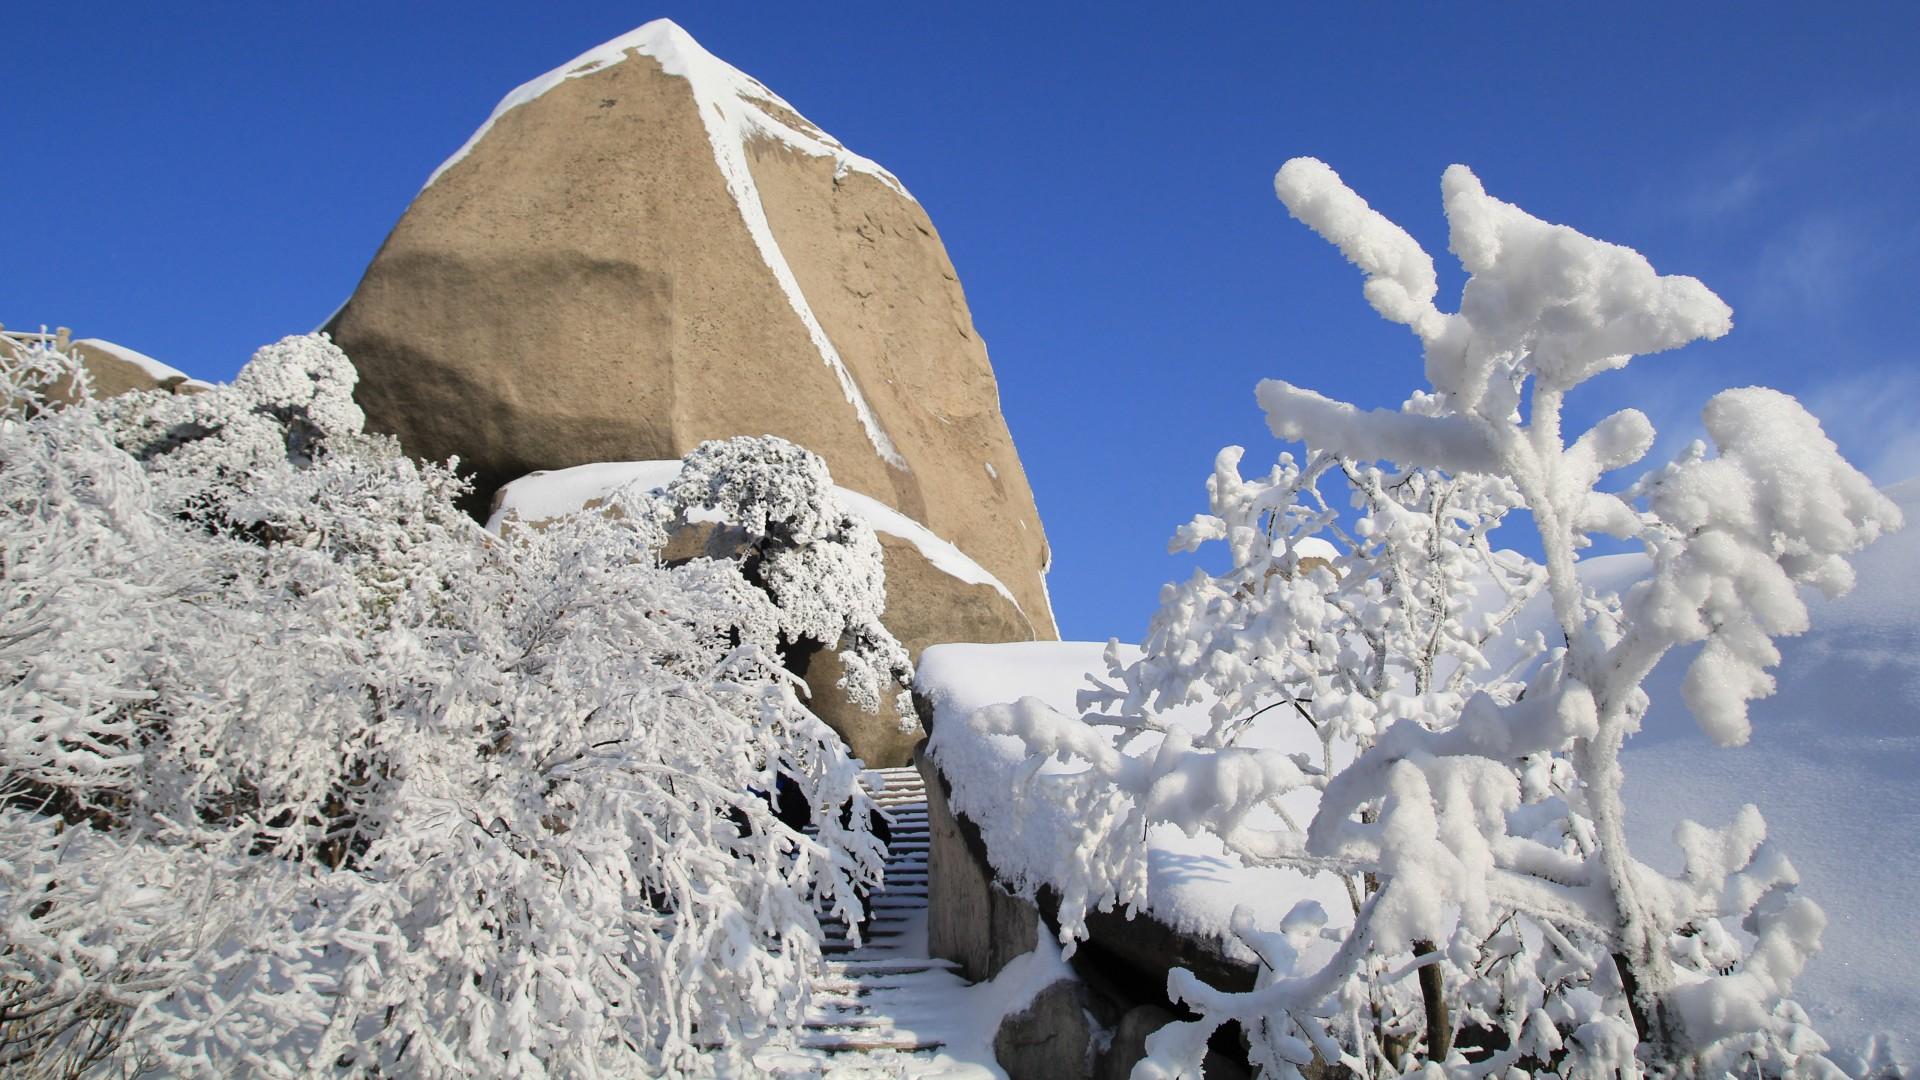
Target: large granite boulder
{"type": "Point", "coordinates": [644, 249]}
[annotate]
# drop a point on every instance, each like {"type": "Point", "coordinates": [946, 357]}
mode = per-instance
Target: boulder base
{"type": "Point", "coordinates": [925, 606]}
{"type": "Point", "coordinates": [1053, 1038]}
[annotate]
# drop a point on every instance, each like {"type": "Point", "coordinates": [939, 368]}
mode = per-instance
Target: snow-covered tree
{"type": "Point", "coordinates": [1469, 789]}
{"type": "Point", "coordinates": [820, 564]}
{"type": "Point", "coordinates": [303, 772]}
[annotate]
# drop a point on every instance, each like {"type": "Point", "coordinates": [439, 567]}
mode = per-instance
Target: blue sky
{"type": "Point", "coordinates": [196, 180]}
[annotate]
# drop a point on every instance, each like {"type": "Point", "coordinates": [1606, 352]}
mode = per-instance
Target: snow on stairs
{"type": "Point", "coordinates": [878, 1012]}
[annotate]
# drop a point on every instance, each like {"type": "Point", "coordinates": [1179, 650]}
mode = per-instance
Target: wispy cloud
{"type": "Point", "coordinates": [1799, 211]}
{"type": "Point", "coordinates": [1813, 263]}
{"type": "Point", "coordinates": [1870, 411]}
{"type": "Point", "coordinates": [1874, 417]}
{"type": "Point", "coordinates": [1723, 194]}
{"type": "Point", "coordinates": [1752, 170]}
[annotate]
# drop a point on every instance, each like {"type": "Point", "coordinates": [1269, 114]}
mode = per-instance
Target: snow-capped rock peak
{"type": "Point", "coordinates": [735, 106]}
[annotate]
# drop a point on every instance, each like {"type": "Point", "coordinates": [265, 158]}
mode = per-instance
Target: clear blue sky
{"type": "Point", "coordinates": [195, 180]}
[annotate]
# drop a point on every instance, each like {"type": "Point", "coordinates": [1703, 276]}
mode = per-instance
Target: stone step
{"type": "Point", "coordinates": [854, 1042]}
{"type": "Point", "coordinates": [887, 967]}
{"type": "Point", "coordinates": [845, 1021]}
{"type": "Point", "coordinates": [866, 981]}
{"type": "Point", "coordinates": [896, 930]}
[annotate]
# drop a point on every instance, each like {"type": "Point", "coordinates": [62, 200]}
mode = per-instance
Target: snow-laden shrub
{"type": "Point", "coordinates": [301, 771]}
{"type": "Point", "coordinates": [1469, 786]}
{"type": "Point", "coordinates": [821, 565]}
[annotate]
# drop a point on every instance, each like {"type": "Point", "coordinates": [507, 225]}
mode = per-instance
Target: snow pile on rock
{"type": "Point", "coordinates": [1195, 885]}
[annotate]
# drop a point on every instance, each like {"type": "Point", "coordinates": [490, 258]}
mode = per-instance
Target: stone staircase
{"type": "Point", "coordinates": [884, 1004]}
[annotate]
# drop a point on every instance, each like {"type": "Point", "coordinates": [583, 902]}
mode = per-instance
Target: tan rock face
{"type": "Point", "coordinates": [589, 282]}
{"type": "Point", "coordinates": [925, 606]}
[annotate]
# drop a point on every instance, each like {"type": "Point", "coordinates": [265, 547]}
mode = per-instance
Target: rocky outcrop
{"type": "Point", "coordinates": [113, 369]}
{"type": "Point", "coordinates": [1129, 1044]}
{"type": "Point", "coordinates": [926, 605]}
{"type": "Point", "coordinates": [645, 249]}
{"type": "Point", "coordinates": [1053, 1038]}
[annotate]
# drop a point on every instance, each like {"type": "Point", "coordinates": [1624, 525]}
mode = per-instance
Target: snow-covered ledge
{"type": "Point", "coordinates": [538, 496]}
{"type": "Point", "coordinates": [993, 857]}
{"type": "Point", "coordinates": [1195, 885]}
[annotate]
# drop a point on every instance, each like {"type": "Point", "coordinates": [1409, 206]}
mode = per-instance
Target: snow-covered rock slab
{"type": "Point", "coordinates": [1194, 883]}
{"type": "Point", "coordinates": [116, 369]}
{"type": "Point", "coordinates": [105, 358]}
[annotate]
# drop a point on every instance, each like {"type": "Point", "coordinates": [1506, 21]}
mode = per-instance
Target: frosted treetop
{"type": "Point", "coordinates": [1543, 298]}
